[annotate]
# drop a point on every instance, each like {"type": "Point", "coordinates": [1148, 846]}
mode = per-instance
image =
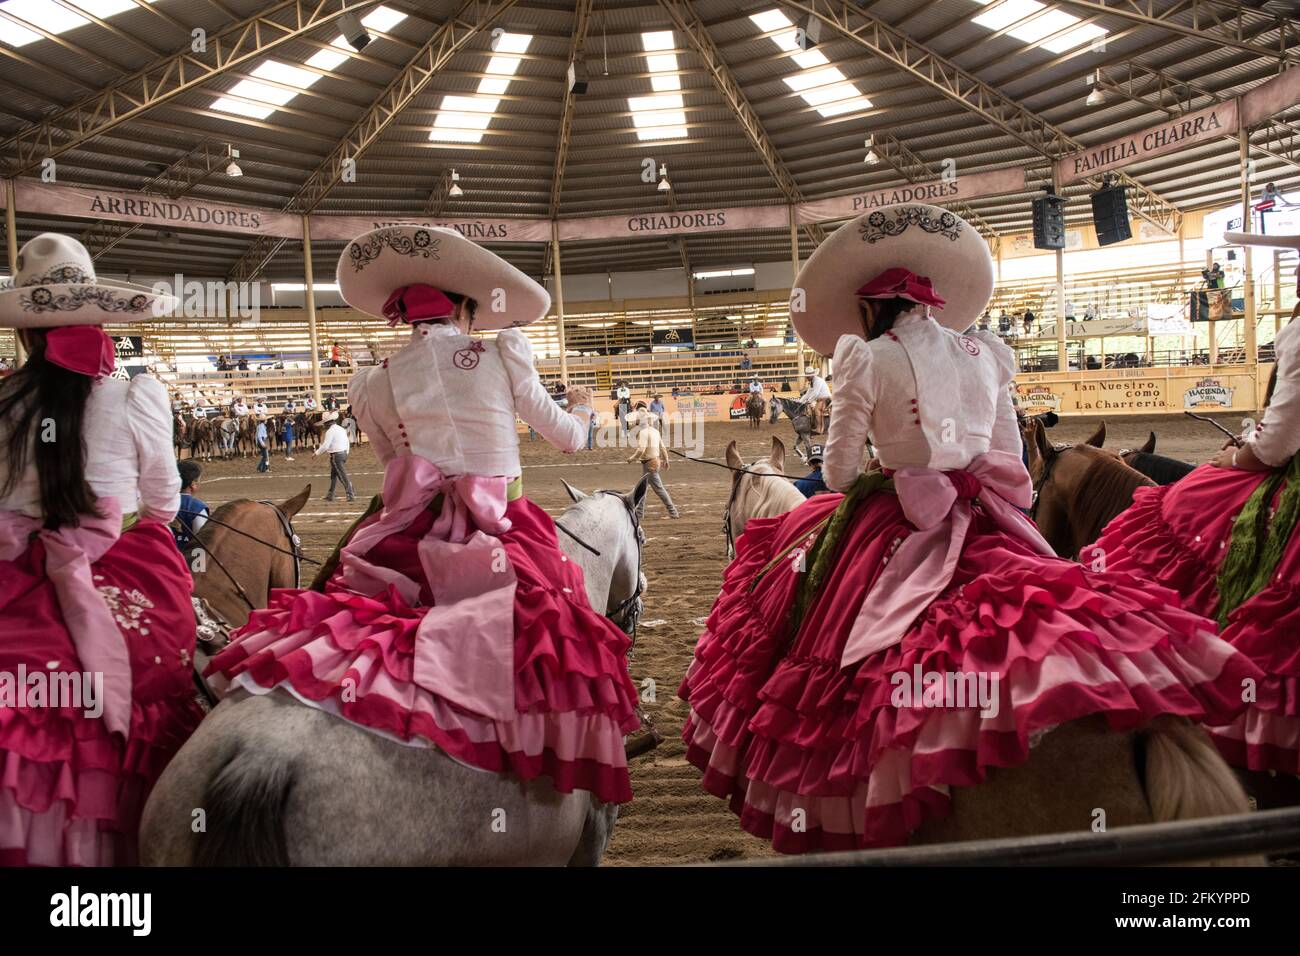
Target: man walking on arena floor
{"type": "Point", "coordinates": [263, 441]}
{"type": "Point", "coordinates": [650, 452]}
{"type": "Point", "coordinates": [336, 445]}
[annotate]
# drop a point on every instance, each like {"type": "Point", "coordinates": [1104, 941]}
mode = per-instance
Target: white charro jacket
{"type": "Point", "coordinates": [1277, 437]}
{"type": "Point", "coordinates": [927, 396]}
{"type": "Point", "coordinates": [454, 399]}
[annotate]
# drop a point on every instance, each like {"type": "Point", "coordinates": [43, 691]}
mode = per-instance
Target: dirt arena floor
{"type": "Point", "coordinates": [670, 820]}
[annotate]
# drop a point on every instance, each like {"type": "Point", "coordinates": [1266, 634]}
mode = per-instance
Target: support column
{"type": "Point", "coordinates": [794, 263]}
{"type": "Point", "coordinates": [1062, 355]}
{"type": "Point", "coordinates": [1277, 293]}
{"type": "Point", "coordinates": [310, 296]}
{"type": "Point", "coordinates": [559, 304]}
{"type": "Point", "coordinates": [1214, 338]}
{"type": "Point", "coordinates": [11, 230]}
{"type": "Point", "coordinates": [1248, 286]}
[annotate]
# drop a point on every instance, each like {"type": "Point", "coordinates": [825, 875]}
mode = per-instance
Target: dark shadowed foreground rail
{"type": "Point", "coordinates": [1269, 831]}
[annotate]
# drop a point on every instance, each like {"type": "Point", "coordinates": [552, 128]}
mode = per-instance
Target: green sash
{"type": "Point", "coordinates": [1256, 544]}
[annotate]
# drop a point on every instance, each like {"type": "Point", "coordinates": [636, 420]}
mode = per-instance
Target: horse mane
{"type": "Point", "coordinates": [1161, 469]}
{"type": "Point", "coordinates": [1105, 490]}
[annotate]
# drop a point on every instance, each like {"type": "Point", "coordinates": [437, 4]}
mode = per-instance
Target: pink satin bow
{"type": "Point", "coordinates": [411, 303]}
{"type": "Point", "coordinates": [464, 646]}
{"type": "Point", "coordinates": [69, 554]}
{"type": "Point", "coordinates": [903, 284]}
{"type": "Point", "coordinates": [939, 505]}
{"type": "Point", "coordinates": [83, 349]}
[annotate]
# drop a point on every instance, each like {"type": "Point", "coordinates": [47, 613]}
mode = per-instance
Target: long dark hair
{"type": "Point", "coordinates": [37, 395]}
{"type": "Point", "coordinates": [456, 299]}
{"type": "Point", "coordinates": [885, 312]}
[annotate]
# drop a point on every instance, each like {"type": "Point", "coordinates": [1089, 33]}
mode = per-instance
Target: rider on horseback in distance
{"type": "Point", "coordinates": [96, 597]}
{"type": "Point", "coordinates": [453, 618]}
{"type": "Point", "coordinates": [827, 693]}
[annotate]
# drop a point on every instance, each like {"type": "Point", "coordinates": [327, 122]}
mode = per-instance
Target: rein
{"type": "Point", "coordinates": [625, 615]}
{"type": "Point", "coordinates": [285, 524]}
{"type": "Point", "coordinates": [1048, 463]}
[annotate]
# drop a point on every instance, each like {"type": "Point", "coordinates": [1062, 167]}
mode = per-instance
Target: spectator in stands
{"type": "Point", "coordinates": [812, 483]}
{"type": "Point", "coordinates": [242, 365]}
{"type": "Point", "coordinates": [339, 356]}
{"type": "Point", "coordinates": [1213, 276]}
{"type": "Point", "coordinates": [1029, 322]}
{"type": "Point", "coordinates": [193, 512]}
{"type": "Point", "coordinates": [752, 343]}
{"type": "Point", "coordinates": [1093, 362]}
{"type": "Point", "coordinates": [985, 320]}
{"type": "Point", "coordinates": [745, 363]}
{"type": "Point", "coordinates": [650, 453]}
{"type": "Point", "coordinates": [1004, 324]}
{"type": "Point", "coordinates": [223, 364]}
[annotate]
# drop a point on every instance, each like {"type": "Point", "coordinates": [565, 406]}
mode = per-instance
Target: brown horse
{"type": "Point", "coordinates": [754, 408]}
{"type": "Point", "coordinates": [239, 557]}
{"type": "Point", "coordinates": [1078, 489]}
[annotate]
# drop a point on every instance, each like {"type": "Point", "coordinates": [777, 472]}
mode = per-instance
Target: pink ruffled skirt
{"type": "Point", "coordinates": [71, 793]}
{"type": "Point", "coordinates": [815, 756]}
{"type": "Point", "coordinates": [1177, 536]}
{"type": "Point", "coordinates": [355, 656]}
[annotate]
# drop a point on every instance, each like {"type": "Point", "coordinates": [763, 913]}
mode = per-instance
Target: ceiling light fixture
{"type": "Point", "coordinates": [354, 32]}
{"type": "Point", "coordinates": [455, 191]}
{"type": "Point", "coordinates": [232, 168]}
{"type": "Point", "coordinates": [1096, 97]}
{"type": "Point", "coordinates": [871, 156]}
{"type": "Point", "coordinates": [664, 184]}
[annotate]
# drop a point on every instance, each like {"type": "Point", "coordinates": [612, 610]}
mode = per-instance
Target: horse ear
{"type": "Point", "coordinates": [574, 493]}
{"type": "Point", "coordinates": [1150, 445]}
{"type": "Point", "coordinates": [294, 504]}
{"type": "Point", "coordinates": [1041, 443]}
{"type": "Point", "coordinates": [637, 497]}
{"type": "Point", "coordinates": [1098, 438]}
{"type": "Point", "coordinates": [777, 458]}
{"type": "Point", "coordinates": [733, 456]}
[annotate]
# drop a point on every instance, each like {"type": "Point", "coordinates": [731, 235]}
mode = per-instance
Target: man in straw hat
{"type": "Point", "coordinates": [817, 396]}
{"type": "Point", "coordinates": [924, 566]}
{"type": "Point", "coordinates": [1231, 528]}
{"type": "Point", "coordinates": [95, 594]}
{"type": "Point", "coordinates": [468, 607]}
{"type": "Point", "coordinates": [335, 443]}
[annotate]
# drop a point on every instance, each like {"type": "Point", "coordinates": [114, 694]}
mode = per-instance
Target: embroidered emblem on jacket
{"type": "Point", "coordinates": [467, 358]}
{"type": "Point", "coordinates": [969, 345]}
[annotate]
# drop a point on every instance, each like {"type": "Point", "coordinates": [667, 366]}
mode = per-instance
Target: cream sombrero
{"type": "Point", "coordinates": [55, 285]}
{"type": "Point", "coordinates": [379, 262]}
{"type": "Point", "coordinates": [1252, 239]}
{"type": "Point", "coordinates": [925, 240]}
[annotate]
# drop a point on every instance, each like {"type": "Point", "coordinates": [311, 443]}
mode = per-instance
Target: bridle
{"type": "Point", "coordinates": [727, 529]}
{"type": "Point", "coordinates": [294, 549]}
{"type": "Point", "coordinates": [626, 614]}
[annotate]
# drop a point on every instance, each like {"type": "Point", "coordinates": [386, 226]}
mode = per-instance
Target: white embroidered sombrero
{"type": "Point", "coordinates": [925, 240]}
{"type": "Point", "coordinates": [55, 285]}
{"type": "Point", "coordinates": [1252, 239]}
{"type": "Point", "coordinates": [379, 262]}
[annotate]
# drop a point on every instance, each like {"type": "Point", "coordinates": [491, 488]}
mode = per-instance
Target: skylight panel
{"type": "Point", "coordinates": [1054, 21]}
{"type": "Point", "coordinates": [821, 85]}
{"type": "Point", "coordinates": [462, 119]}
{"type": "Point", "coordinates": [1007, 13]}
{"type": "Point", "coordinates": [665, 82]}
{"type": "Point", "coordinates": [327, 59]}
{"type": "Point", "coordinates": [662, 116]}
{"type": "Point", "coordinates": [227, 105]}
{"type": "Point", "coordinates": [663, 40]}
{"type": "Point", "coordinates": [46, 14]}
{"type": "Point", "coordinates": [999, 15]}
{"type": "Point", "coordinates": [103, 8]}
{"type": "Point", "coordinates": [284, 73]}
{"type": "Point", "coordinates": [1068, 41]}
{"type": "Point", "coordinates": [53, 18]}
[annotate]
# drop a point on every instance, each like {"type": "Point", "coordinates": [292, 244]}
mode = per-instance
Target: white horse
{"type": "Point", "coordinates": [757, 491]}
{"type": "Point", "coordinates": [276, 782]}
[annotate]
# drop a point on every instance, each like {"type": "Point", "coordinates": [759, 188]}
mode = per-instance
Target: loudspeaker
{"type": "Point", "coordinates": [1110, 215]}
{"type": "Point", "coordinates": [1049, 222]}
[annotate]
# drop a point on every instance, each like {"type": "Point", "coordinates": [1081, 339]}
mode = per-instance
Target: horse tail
{"type": "Point", "coordinates": [245, 803]}
{"type": "Point", "coordinates": [1186, 779]}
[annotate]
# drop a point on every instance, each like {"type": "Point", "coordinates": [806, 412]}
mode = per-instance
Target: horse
{"type": "Point", "coordinates": [759, 490]}
{"type": "Point", "coordinates": [754, 406]}
{"type": "Point", "coordinates": [283, 783]}
{"type": "Point", "coordinates": [1161, 469]}
{"type": "Point", "coordinates": [203, 439]}
{"type": "Point", "coordinates": [800, 416]}
{"type": "Point", "coordinates": [228, 430]}
{"type": "Point", "coordinates": [1078, 489]}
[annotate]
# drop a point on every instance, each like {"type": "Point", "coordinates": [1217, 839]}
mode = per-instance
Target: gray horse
{"type": "Point", "coordinates": [801, 418]}
{"type": "Point", "coordinates": [266, 780]}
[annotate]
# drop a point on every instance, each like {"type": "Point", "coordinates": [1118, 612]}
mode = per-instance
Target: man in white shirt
{"type": "Point", "coordinates": [623, 395]}
{"type": "Point", "coordinates": [309, 403]}
{"type": "Point", "coordinates": [259, 407]}
{"type": "Point", "coordinates": [818, 396]}
{"type": "Point", "coordinates": [336, 445]}
{"type": "Point", "coordinates": [650, 452]}
{"type": "Point", "coordinates": [239, 408]}
{"type": "Point", "coordinates": [755, 386]}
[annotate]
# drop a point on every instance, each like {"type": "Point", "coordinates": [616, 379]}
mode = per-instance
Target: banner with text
{"type": "Point", "coordinates": [942, 192]}
{"type": "Point", "coordinates": [1209, 123]}
{"type": "Point", "coordinates": [479, 230]}
{"type": "Point", "coordinates": [650, 225]}
{"type": "Point", "coordinates": [103, 204]}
